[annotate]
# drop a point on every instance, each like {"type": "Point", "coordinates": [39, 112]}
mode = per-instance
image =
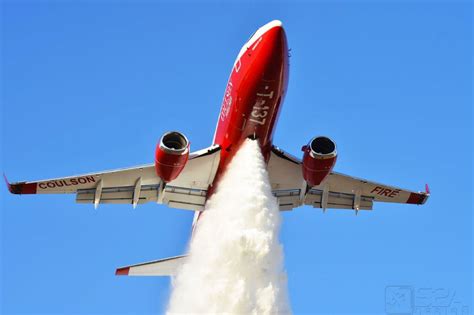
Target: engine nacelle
{"type": "Point", "coordinates": [318, 160]}
{"type": "Point", "coordinates": [171, 155]}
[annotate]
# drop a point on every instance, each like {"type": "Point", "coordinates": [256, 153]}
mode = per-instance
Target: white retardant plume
{"type": "Point", "coordinates": [235, 263]}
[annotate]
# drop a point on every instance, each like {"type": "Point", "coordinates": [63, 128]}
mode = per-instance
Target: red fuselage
{"type": "Point", "coordinates": [254, 93]}
{"type": "Point", "coordinates": [253, 96]}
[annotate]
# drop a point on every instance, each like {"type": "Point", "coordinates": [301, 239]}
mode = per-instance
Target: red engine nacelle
{"type": "Point", "coordinates": [171, 155]}
{"type": "Point", "coordinates": [318, 160]}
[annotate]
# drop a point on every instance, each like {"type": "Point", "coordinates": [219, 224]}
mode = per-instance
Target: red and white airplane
{"type": "Point", "coordinates": [250, 108]}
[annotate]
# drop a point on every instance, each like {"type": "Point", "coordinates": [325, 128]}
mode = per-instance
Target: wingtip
{"type": "Point", "coordinates": [21, 188]}
{"type": "Point", "coordinates": [7, 183]}
{"type": "Point", "coordinates": [122, 271]}
{"type": "Point", "coordinates": [419, 198]}
{"type": "Point", "coordinates": [426, 195]}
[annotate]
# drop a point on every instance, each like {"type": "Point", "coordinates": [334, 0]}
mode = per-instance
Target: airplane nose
{"type": "Point", "coordinates": [275, 40]}
{"type": "Point", "coordinates": [275, 33]}
{"type": "Point", "coordinates": [274, 50]}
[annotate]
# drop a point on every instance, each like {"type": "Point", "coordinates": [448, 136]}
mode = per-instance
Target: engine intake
{"type": "Point", "coordinates": [171, 155]}
{"type": "Point", "coordinates": [318, 160]}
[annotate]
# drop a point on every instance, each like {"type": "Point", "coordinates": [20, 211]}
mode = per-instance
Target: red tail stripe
{"type": "Point", "coordinates": [122, 271]}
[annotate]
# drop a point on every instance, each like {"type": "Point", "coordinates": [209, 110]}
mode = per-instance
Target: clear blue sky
{"type": "Point", "coordinates": [88, 87]}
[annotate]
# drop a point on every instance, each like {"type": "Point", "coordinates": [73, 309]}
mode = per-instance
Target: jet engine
{"type": "Point", "coordinates": [318, 160]}
{"type": "Point", "coordinates": [171, 155]}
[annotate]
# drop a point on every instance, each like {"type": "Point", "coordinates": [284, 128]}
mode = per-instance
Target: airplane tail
{"type": "Point", "coordinates": [162, 267]}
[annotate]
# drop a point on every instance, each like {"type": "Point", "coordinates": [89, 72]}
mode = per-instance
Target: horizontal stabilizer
{"type": "Point", "coordinates": [162, 267]}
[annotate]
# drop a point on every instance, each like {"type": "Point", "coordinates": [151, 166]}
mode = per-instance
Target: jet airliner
{"type": "Point", "coordinates": [251, 104]}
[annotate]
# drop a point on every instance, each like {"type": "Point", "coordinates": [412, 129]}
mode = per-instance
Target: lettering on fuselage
{"type": "Point", "coordinates": [259, 110]}
{"type": "Point", "coordinates": [387, 192]}
{"type": "Point", "coordinates": [67, 182]}
{"type": "Point", "coordinates": [237, 66]}
{"type": "Point", "coordinates": [227, 102]}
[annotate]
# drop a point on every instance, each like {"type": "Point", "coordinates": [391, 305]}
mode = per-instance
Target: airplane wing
{"type": "Point", "coordinates": [337, 191]}
{"type": "Point", "coordinates": [135, 185]}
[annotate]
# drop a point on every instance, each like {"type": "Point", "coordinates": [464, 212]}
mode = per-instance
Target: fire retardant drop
{"type": "Point", "coordinates": [235, 262]}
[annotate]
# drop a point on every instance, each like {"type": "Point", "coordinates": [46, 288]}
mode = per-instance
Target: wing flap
{"type": "Point", "coordinates": [335, 200]}
{"type": "Point", "coordinates": [119, 195]}
{"type": "Point", "coordinates": [185, 198]}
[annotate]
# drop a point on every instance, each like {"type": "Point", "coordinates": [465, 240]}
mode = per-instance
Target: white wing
{"type": "Point", "coordinates": [337, 191]}
{"type": "Point", "coordinates": [135, 185]}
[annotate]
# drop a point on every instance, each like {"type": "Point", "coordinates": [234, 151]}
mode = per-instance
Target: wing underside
{"type": "Point", "coordinates": [138, 185]}
{"type": "Point", "coordinates": [135, 185]}
{"type": "Point", "coordinates": [337, 191]}
{"type": "Point", "coordinates": [163, 267]}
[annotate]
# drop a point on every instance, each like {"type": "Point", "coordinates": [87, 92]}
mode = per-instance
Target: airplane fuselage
{"type": "Point", "coordinates": [254, 93]}
{"type": "Point", "coordinates": [253, 96]}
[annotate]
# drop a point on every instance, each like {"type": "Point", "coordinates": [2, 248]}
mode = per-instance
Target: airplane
{"type": "Point", "coordinates": [250, 108]}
